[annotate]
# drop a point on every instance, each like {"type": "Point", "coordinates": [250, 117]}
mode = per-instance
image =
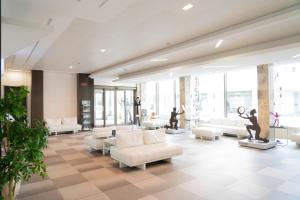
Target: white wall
{"type": "Point", "coordinates": [60, 95]}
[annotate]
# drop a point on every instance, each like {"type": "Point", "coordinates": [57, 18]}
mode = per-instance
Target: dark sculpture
{"type": "Point", "coordinates": [137, 104]}
{"type": "Point", "coordinates": [255, 126]}
{"type": "Point", "coordinates": [276, 119]}
{"type": "Point", "coordinates": [173, 119]}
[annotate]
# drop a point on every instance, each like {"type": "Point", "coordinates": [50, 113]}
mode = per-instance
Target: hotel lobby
{"type": "Point", "coordinates": [150, 100]}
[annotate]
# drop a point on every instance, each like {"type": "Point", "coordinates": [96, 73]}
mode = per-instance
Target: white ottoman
{"type": "Point", "coordinates": [295, 138]}
{"type": "Point", "coordinates": [207, 132]}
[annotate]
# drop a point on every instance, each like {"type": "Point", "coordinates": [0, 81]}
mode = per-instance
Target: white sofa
{"type": "Point", "coordinates": [155, 122]}
{"type": "Point", "coordinates": [234, 127]}
{"type": "Point", "coordinates": [62, 125]}
{"type": "Point", "coordinates": [95, 140]}
{"type": "Point", "coordinates": [137, 149]}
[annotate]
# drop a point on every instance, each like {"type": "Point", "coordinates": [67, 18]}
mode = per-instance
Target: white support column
{"type": "Point", "coordinates": [263, 99]}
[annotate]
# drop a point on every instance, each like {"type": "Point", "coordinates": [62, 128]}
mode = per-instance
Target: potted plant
{"type": "Point", "coordinates": [21, 144]}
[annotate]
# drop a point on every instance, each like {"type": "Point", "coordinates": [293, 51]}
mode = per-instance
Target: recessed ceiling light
{"type": "Point", "coordinates": [296, 56]}
{"type": "Point", "coordinates": [116, 78]}
{"type": "Point", "coordinates": [103, 50]}
{"type": "Point", "coordinates": [187, 7]}
{"type": "Point", "coordinates": [219, 43]}
{"type": "Point", "coordinates": [71, 67]}
{"type": "Point", "coordinates": [159, 60]}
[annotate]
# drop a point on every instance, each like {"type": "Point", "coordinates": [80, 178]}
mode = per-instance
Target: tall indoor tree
{"type": "Point", "coordinates": [21, 144]}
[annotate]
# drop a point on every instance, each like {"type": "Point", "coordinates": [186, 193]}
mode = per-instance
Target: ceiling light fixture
{"type": "Point", "coordinates": [70, 67]}
{"type": "Point", "coordinates": [159, 60]}
{"type": "Point", "coordinates": [116, 78]}
{"type": "Point", "coordinates": [187, 7]}
{"type": "Point", "coordinates": [171, 74]}
{"type": "Point", "coordinates": [103, 50]}
{"type": "Point", "coordinates": [296, 56]}
{"type": "Point", "coordinates": [219, 43]}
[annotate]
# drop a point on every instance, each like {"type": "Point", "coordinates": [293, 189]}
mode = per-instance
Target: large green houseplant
{"type": "Point", "coordinates": [21, 144]}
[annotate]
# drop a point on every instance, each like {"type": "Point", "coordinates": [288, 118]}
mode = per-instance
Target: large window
{"type": "Point", "coordinates": [241, 91]}
{"type": "Point", "coordinates": [166, 96]}
{"type": "Point", "coordinates": [208, 96]}
{"type": "Point", "coordinates": [286, 84]}
{"type": "Point", "coordinates": [99, 107]}
{"type": "Point", "coordinates": [150, 97]}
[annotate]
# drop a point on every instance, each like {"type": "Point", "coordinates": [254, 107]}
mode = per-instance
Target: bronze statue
{"type": "Point", "coordinates": [255, 126]}
{"type": "Point", "coordinates": [173, 119]}
{"type": "Point", "coordinates": [137, 104]}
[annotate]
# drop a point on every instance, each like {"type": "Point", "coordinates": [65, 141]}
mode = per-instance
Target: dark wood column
{"type": "Point", "coordinates": [85, 92]}
{"type": "Point", "coordinates": [37, 96]}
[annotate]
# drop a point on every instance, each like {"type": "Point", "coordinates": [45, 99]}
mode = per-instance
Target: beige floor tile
{"type": "Point", "coordinates": [149, 197]}
{"type": "Point", "coordinates": [99, 196]}
{"type": "Point", "coordinates": [126, 192]}
{"type": "Point", "coordinates": [176, 193]}
{"type": "Point", "coordinates": [79, 191]}
{"type": "Point", "coordinates": [251, 190]}
{"type": "Point", "coordinates": [290, 188]}
{"type": "Point", "coordinates": [98, 174]}
{"type": "Point", "coordinates": [73, 156]}
{"type": "Point", "coordinates": [35, 188]}
{"type": "Point", "coordinates": [61, 172]}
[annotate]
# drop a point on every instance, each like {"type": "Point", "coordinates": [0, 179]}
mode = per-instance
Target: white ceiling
{"type": "Point", "coordinates": [136, 31]}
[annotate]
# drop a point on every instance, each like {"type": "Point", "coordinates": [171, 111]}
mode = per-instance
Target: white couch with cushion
{"type": "Point", "coordinates": [235, 127]}
{"type": "Point", "coordinates": [95, 140]}
{"type": "Point", "coordinates": [57, 125]}
{"type": "Point", "coordinates": [137, 149]}
{"type": "Point", "coordinates": [154, 123]}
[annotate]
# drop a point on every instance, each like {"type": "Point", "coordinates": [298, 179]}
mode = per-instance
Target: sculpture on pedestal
{"type": "Point", "coordinates": [255, 126]}
{"type": "Point", "coordinates": [173, 119]}
{"type": "Point", "coordinates": [276, 119]}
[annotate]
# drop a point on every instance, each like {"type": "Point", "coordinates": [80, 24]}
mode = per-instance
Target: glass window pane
{"type": "Point", "coordinates": [129, 107]}
{"type": "Point", "coordinates": [166, 97]}
{"type": "Point", "coordinates": [149, 99]}
{"type": "Point", "coordinates": [120, 107]}
{"type": "Point", "coordinates": [99, 107]}
{"type": "Point", "coordinates": [207, 96]}
{"type": "Point", "coordinates": [241, 91]}
{"type": "Point", "coordinates": [109, 107]}
{"type": "Point", "coordinates": [286, 99]}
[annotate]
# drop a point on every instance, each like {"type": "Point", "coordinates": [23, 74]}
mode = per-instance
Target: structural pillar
{"type": "Point", "coordinates": [184, 91]}
{"type": "Point", "coordinates": [263, 99]}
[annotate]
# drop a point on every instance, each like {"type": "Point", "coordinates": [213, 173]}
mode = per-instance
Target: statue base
{"type": "Point", "coordinates": [174, 131]}
{"type": "Point", "coordinates": [257, 144]}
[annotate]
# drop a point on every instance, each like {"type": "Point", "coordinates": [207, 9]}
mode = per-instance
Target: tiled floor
{"type": "Point", "coordinates": [206, 170]}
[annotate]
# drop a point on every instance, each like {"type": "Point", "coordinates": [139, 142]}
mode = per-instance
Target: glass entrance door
{"type": "Point", "coordinates": [113, 106]}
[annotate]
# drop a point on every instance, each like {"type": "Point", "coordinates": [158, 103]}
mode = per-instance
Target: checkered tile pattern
{"type": "Point", "coordinates": [207, 170]}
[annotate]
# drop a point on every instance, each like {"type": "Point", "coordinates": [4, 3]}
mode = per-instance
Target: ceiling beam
{"type": "Point", "coordinates": [261, 21]}
{"type": "Point", "coordinates": [270, 46]}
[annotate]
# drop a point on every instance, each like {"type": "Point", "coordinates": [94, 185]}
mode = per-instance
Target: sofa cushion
{"type": "Point", "coordinates": [69, 121]}
{"type": "Point", "coordinates": [129, 140]}
{"type": "Point", "coordinates": [154, 137]}
{"type": "Point", "coordinates": [145, 153]}
{"type": "Point", "coordinates": [53, 122]}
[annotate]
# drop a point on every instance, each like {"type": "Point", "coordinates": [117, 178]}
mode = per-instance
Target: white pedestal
{"type": "Point", "coordinates": [174, 131]}
{"type": "Point", "coordinates": [257, 144]}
